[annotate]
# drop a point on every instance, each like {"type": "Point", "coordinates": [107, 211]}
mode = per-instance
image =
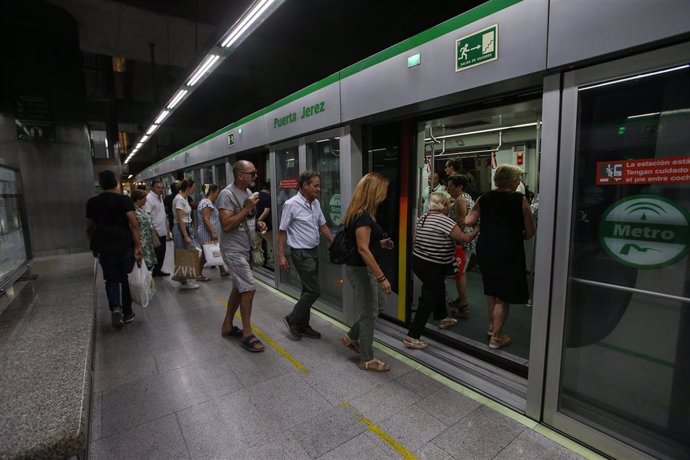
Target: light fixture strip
{"type": "Point", "coordinates": [152, 129]}
{"type": "Point", "coordinates": [196, 76]}
{"type": "Point", "coordinates": [634, 77]}
{"type": "Point", "coordinates": [161, 117]}
{"type": "Point", "coordinates": [144, 139]}
{"type": "Point", "coordinates": [247, 21]}
{"type": "Point", "coordinates": [178, 97]}
{"type": "Point", "coordinates": [491, 130]}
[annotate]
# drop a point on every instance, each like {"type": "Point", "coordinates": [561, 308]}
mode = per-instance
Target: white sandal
{"type": "Point", "coordinates": [445, 323]}
{"type": "Point", "coordinates": [374, 365]}
{"type": "Point", "coordinates": [415, 343]}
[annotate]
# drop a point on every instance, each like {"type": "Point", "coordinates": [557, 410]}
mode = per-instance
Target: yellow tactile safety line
{"type": "Point", "coordinates": [374, 428]}
{"type": "Point", "coordinates": [501, 409]}
{"type": "Point", "coordinates": [272, 343]}
{"type": "Point", "coordinates": [404, 453]}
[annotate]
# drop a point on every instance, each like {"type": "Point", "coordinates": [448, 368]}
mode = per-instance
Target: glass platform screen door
{"type": "Point", "coordinates": [287, 160]}
{"type": "Point", "coordinates": [619, 360]}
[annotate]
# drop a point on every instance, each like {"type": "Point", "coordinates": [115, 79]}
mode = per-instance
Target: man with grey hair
{"type": "Point", "coordinates": [154, 205]}
{"type": "Point", "coordinates": [237, 211]}
{"type": "Point", "coordinates": [300, 224]}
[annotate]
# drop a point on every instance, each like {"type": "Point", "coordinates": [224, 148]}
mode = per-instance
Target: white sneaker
{"type": "Point", "coordinates": [189, 285]}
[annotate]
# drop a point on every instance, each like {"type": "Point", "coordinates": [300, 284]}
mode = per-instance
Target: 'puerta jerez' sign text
{"type": "Point", "coordinates": [306, 112]}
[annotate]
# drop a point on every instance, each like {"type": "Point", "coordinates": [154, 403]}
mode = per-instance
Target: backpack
{"type": "Point", "coordinates": [341, 249]}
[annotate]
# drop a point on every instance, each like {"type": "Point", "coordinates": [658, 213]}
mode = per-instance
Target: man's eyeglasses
{"type": "Point", "coordinates": [253, 173]}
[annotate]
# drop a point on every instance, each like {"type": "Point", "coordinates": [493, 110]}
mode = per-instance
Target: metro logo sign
{"type": "Point", "coordinates": [645, 231]}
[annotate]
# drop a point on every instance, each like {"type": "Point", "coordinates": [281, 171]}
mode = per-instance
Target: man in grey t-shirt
{"type": "Point", "coordinates": [237, 211]}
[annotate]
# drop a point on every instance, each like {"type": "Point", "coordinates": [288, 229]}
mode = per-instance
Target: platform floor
{"type": "Point", "coordinates": [169, 386]}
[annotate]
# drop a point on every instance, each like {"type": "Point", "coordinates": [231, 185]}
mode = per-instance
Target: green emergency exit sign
{"type": "Point", "coordinates": [477, 48]}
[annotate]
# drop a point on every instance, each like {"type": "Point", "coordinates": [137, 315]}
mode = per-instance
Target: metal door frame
{"type": "Point", "coordinates": [622, 68]}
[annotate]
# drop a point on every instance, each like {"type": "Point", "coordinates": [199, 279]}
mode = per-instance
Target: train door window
{"type": "Point", "coordinates": [383, 155]}
{"type": "Point", "coordinates": [473, 145]}
{"type": "Point", "coordinates": [219, 175]}
{"type": "Point", "coordinates": [323, 156]}
{"type": "Point", "coordinates": [287, 176]}
{"type": "Point", "coordinates": [626, 351]}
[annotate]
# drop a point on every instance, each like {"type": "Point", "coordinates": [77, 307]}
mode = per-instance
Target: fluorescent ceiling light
{"type": "Point", "coordinates": [642, 115]}
{"type": "Point", "coordinates": [144, 139]}
{"type": "Point", "coordinates": [201, 70]}
{"type": "Point", "coordinates": [634, 77]}
{"type": "Point", "coordinates": [130, 176]}
{"type": "Point", "coordinates": [161, 117]}
{"type": "Point", "coordinates": [151, 129]}
{"type": "Point", "coordinates": [491, 130]}
{"type": "Point", "coordinates": [246, 22]}
{"type": "Point", "coordinates": [180, 94]}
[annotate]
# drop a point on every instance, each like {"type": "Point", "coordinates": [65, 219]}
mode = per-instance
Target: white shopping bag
{"type": "Point", "coordinates": [141, 285]}
{"type": "Point", "coordinates": [212, 255]}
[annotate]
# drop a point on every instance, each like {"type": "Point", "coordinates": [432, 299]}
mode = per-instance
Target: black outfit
{"type": "Point", "coordinates": [116, 253]}
{"type": "Point", "coordinates": [264, 202]}
{"type": "Point", "coordinates": [365, 220]}
{"type": "Point", "coordinates": [433, 296]}
{"type": "Point", "coordinates": [500, 248]}
{"type": "Point", "coordinates": [167, 202]}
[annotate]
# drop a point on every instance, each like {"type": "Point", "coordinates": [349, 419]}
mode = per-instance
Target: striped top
{"type": "Point", "coordinates": [432, 241]}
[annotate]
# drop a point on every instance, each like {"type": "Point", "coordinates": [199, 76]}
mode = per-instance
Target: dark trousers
{"type": "Point", "coordinates": [115, 271]}
{"type": "Point", "coordinates": [433, 296]}
{"type": "Point", "coordinates": [306, 262]}
{"type": "Point", "coordinates": [160, 254]}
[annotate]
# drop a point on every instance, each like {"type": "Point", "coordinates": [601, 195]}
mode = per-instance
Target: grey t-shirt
{"type": "Point", "coordinates": [239, 240]}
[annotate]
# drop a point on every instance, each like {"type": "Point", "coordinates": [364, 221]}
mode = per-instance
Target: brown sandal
{"type": "Point", "coordinates": [349, 343]}
{"type": "Point", "coordinates": [374, 365]}
{"type": "Point", "coordinates": [445, 323]}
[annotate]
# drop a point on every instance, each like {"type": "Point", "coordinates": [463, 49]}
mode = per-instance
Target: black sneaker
{"type": "Point", "coordinates": [128, 318]}
{"type": "Point", "coordinates": [307, 331]}
{"type": "Point", "coordinates": [292, 327]}
{"type": "Point", "coordinates": [116, 317]}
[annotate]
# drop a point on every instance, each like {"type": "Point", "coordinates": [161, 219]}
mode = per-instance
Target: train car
{"type": "Point", "coordinates": [592, 100]}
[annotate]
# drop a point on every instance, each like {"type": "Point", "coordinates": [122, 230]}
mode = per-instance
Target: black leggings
{"type": "Point", "coordinates": [433, 296]}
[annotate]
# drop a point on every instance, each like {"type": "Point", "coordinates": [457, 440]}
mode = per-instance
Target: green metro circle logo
{"type": "Point", "coordinates": [645, 231]}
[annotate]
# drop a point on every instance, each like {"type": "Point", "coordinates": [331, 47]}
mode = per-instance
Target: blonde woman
{"type": "Point", "coordinates": [505, 221]}
{"type": "Point", "coordinates": [363, 269]}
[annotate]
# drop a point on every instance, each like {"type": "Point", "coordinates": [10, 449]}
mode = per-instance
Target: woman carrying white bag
{"type": "Point", "coordinates": [209, 229]}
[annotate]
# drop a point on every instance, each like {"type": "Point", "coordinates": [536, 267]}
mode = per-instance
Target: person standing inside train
{"type": "Point", "coordinates": [300, 223]}
{"type": "Point", "coordinates": [505, 221]}
{"type": "Point", "coordinates": [154, 205]}
{"type": "Point", "coordinates": [363, 268]}
{"type": "Point", "coordinates": [237, 211]}
{"type": "Point", "coordinates": [457, 187]}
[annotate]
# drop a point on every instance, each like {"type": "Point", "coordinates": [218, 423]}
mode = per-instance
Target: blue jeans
{"type": "Point", "coordinates": [115, 271]}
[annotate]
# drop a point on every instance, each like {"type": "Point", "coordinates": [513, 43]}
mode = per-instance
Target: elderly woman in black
{"type": "Point", "coordinates": [432, 259]}
{"type": "Point", "coordinates": [505, 221]}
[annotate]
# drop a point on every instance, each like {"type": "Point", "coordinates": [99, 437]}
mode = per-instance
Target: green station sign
{"type": "Point", "coordinates": [305, 112]}
{"type": "Point", "coordinates": [477, 48]}
{"type": "Point", "coordinates": [645, 231]}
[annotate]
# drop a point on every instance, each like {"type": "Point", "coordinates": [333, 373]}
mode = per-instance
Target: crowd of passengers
{"type": "Point", "coordinates": [123, 231]}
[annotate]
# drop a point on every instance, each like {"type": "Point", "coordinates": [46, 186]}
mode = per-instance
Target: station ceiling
{"type": "Point", "coordinates": [302, 42]}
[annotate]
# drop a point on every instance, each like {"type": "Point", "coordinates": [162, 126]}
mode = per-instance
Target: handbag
{"type": "Point", "coordinates": [142, 287]}
{"type": "Point", "coordinates": [186, 264]}
{"type": "Point", "coordinates": [156, 239]}
{"type": "Point", "coordinates": [212, 254]}
{"type": "Point", "coordinates": [256, 254]}
{"type": "Point", "coordinates": [340, 249]}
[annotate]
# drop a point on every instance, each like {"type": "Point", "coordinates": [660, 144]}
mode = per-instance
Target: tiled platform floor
{"type": "Point", "coordinates": [169, 386]}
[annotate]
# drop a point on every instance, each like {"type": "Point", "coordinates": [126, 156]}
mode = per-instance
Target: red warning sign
{"type": "Point", "coordinates": [666, 170]}
{"type": "Point", "coordinates": [289, 183]}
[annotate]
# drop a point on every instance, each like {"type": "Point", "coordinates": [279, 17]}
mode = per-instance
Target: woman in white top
{"type": "Point", "coordinates": [208, 227]}
{"type": "Point", "coordinates": [183, 233]}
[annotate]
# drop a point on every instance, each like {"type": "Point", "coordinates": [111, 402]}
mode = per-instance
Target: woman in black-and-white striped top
{"type": "Point", "coordinates": [432, 259]}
